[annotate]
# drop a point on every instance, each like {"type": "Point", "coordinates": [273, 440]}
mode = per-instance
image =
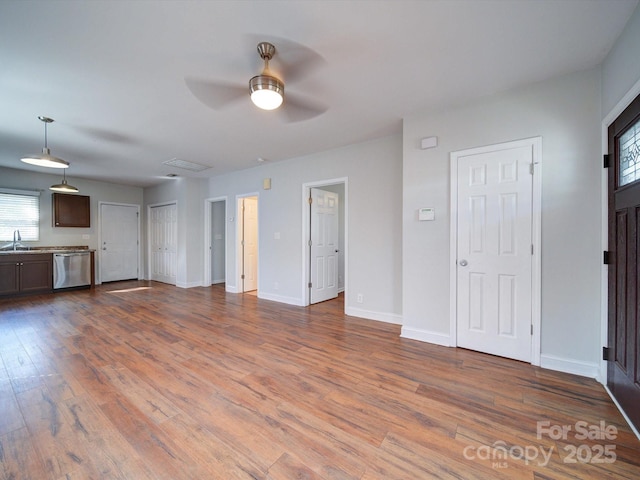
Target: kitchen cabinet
{"type": "Point", "coordinates": [26, 273]}
{"type": "Point", "coordinates": [71, 210]}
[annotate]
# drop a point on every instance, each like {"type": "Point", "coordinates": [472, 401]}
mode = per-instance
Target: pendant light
{"type": "Point", "coordinates": [64, 186]}
{"type": "Point", "coordinates": [45, 159]}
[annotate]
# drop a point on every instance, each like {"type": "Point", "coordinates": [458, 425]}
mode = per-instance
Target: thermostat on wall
{"type": "Point", "coordinates": [427, 213]}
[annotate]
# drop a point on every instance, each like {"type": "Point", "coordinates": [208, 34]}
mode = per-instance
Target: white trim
{"type": "Point", "coordinates": [281, 299]}
{"type": "Point", "coordinates": [627, 419]}
{"type": "Point", "coordinates": [98, 271]}
{"type": "Point", "coordinates": [13, 191]}
{"type": "Point", "coordinates": [536, 237]}
{"type": "Point", "coordinates": [207, 281]}
{"type": "Point", "coordinates": [568, 365]}
{"type": "Point", "coordinates": [189, 284]}
{"type": "Point", "coordinates": [436, 338]}
{"type": "Point", "coordinates": [306, 187]}
{"type": "Point", "coordinates": [371, 315]}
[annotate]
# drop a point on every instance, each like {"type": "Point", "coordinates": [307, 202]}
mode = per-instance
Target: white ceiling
{"type": "Point", "coordinates": [112, 73]}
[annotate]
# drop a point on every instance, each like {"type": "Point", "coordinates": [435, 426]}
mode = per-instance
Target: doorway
{"type": "Point", "coordinates": [623, 368]}
{"type": "Point", "coordinates": [325, 222]}
{"type": "Point", "coordinates": [248, 243]}
{"type": "Point", "coordinates": [119, 242]}
{"type": "Point", "coordinates": [215, 241]}
{"type": "Point", "coordinates": [495, 249]}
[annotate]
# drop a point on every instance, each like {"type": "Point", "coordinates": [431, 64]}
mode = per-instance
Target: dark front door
{"type": "Point", "coordinates": [624, 245]}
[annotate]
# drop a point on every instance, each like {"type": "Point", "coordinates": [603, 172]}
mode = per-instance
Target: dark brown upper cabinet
{"type": "Point", "coordinates": [71, 210]}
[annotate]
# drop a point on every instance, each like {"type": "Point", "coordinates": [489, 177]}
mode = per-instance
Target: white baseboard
{"type": "Point", "coordinates": [230, 288]}
{"type": "Point", "coordinates": [189, 284]}
{"type": "Point", "coordinates": [436, 338]}
{"type": "Point", "coordinates": [218, 280]}
{"type": "Point", "coordinates": [567, 365]}
{"type": "Point", "coordinates": [370, 315]}
{"type": "Point", "coordinates": [281, 298]}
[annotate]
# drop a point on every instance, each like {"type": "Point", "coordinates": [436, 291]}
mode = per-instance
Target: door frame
{"type": "Point", "coordinates": [536, 237]}
{"type": "Point", "coordinates": [239, 288]}
{"type": "Point", "coordinates": [98, 280]}
{"type": "Point", "coordinates": [602, 377]}
{"type": "Point", "coordinates": [306, 271]}
{"type": "Point", "coordinates": [208, 205]}
{"type": "Point", "coordinates": [624, 102]}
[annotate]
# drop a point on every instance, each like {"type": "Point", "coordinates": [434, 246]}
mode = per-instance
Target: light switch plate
{"type": "Point", "coordinates": [426, 214]}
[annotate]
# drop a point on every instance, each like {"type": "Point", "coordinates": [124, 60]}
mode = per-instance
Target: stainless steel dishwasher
{"type": "Point", "coordinates": [71, 269]}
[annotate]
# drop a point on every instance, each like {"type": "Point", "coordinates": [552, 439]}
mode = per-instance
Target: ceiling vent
{"type": "Point", "coordinates": [194, 167]}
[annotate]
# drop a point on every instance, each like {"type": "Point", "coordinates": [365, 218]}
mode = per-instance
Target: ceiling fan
{"type": "Point", "coordinates": [267, 89]}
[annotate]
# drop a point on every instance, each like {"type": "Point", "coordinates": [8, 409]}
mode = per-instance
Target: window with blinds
{"type": "Point", "coordinates": [19, 210]}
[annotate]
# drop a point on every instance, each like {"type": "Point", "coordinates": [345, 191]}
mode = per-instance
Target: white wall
{"type": "Point", "coordinates": [566, 113]}
{"type": "Point", "coordinates": [621, 67]}
{"type": "Point", "coordinates": [69, 236]}
{"type": "Point", "coordinates": [374, 172]}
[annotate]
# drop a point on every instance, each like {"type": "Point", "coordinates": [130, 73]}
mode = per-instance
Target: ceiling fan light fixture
{"type": "Point", "coordinates": [267, 92]}
{"type": "Point", "coordinates": [45, 159]}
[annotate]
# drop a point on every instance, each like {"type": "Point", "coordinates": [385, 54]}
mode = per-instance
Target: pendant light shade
{"type": "Point", "coordinates": [64, 186]}
{"type": "Point", "coordinates": [45, 159]}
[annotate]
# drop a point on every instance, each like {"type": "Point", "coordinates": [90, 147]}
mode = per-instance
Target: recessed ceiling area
{"type": "Point", "coordinates": [115, 75]}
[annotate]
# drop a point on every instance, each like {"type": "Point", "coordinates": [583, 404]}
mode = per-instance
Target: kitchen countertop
{"type": "Point", "coordinates": [55, 249]}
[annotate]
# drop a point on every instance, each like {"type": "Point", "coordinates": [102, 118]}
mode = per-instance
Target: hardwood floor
{"type": "Point", "coordinates": [140, 380]}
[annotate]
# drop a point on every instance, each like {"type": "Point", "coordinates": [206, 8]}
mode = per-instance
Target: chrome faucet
{"type": "Point", "coordinates": [15, 244]}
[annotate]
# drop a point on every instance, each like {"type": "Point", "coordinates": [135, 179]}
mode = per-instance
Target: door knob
{"type": "Point", "coordinates": [463, 263]}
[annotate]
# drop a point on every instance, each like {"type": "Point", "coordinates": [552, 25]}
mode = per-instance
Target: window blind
{"type": "Point", "coordinates": [19, 210]}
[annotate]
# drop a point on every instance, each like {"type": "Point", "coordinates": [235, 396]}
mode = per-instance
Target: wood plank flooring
{"type": "Point", "coordinates": [141, 380]}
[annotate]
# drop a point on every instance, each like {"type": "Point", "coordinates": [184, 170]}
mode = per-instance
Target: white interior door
{"type": "Point", "coordinates": [119, 229]}
{"type": "Point", "coordinates": [249, 243]}
{"type": "Point", "coordinates": [163, 243]}
{"type": "Point", "coordinates": [324, 246]}
{"type": "Point", "coordinates": [494, 251]}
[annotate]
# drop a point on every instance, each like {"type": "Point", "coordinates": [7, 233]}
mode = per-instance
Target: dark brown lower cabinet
{"type": "Point", "coordinates": [27, 273]}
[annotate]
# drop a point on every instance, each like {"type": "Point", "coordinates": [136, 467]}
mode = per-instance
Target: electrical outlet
{"type": "Point", "coordinates": [360, 298]}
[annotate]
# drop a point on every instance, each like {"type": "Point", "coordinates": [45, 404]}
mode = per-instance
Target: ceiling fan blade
{"type": "Point", "coordinates": [300, 63]}
{"type": "Point", "coordinates": [215, 94]}
{"type": "Point", "coordinates": [298, 109]}
{"type": "Point", "coordinates": [292, 61]}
